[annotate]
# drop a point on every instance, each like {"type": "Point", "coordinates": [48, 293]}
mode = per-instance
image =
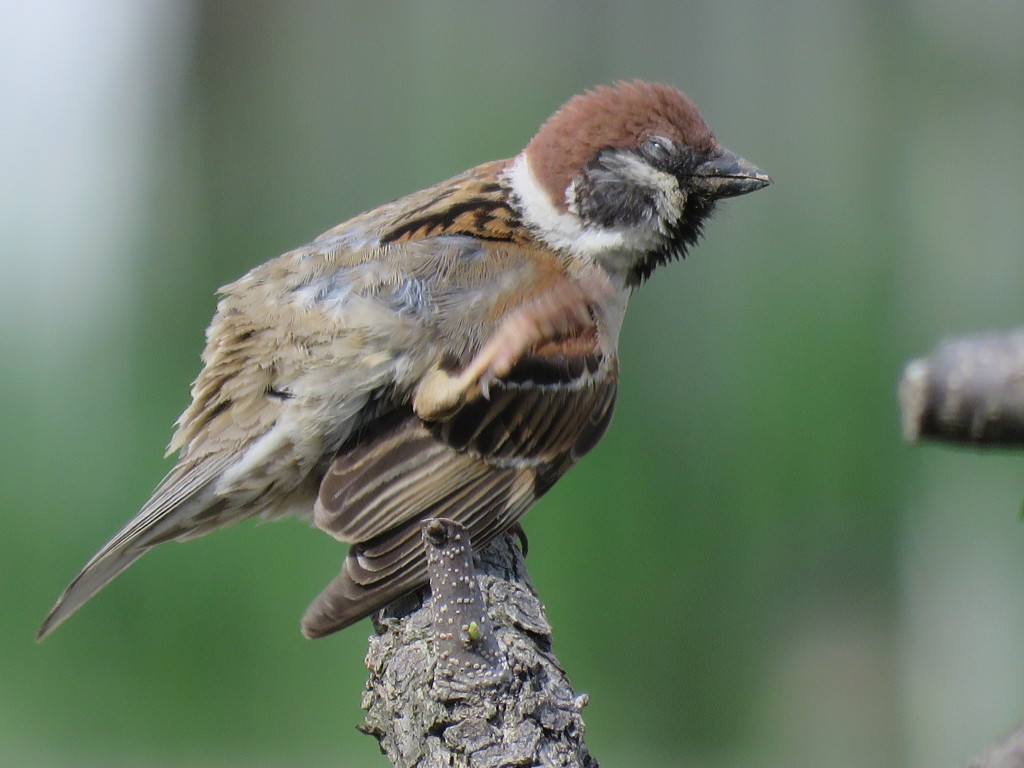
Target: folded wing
{"type": "Point", "coordinates": [483, 465]}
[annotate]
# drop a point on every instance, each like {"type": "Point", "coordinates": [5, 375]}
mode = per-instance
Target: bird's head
{"type": "Point", "coordinates": [626, 176]}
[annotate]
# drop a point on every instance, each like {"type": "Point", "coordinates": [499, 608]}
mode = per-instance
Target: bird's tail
{"type": "Point", "coordinates": [99, 571]}
{"type": "Point", "coordinates": [182, 507]}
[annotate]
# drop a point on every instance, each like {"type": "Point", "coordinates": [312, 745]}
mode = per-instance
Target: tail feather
{"type": "Point", "coordinates": [97, 573]}
{"type": "Point", "coordinates": [181, 507]}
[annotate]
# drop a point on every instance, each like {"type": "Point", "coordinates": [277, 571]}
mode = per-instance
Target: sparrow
{"type": "Point", "coordinates": [449, 354]}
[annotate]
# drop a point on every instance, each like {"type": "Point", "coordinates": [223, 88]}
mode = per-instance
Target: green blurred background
{"type": "Point", "coordinates": [752, 569]}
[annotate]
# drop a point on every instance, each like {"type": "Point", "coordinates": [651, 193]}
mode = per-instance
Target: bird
{"type": "Point", "coordinates": [452, 353]}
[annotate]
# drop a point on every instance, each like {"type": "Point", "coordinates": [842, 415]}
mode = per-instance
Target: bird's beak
{"type": "Point", "coordinates": [729, 175]}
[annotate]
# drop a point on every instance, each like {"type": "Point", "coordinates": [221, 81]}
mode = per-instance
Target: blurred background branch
{"type": "Point", "coordinates": [1007, 754]}
{"type": "Point", "coordinates": [969, 390]}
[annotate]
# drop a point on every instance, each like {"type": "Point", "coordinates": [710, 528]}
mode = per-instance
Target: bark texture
{"type": "Point", "coordinates": [464, 675]}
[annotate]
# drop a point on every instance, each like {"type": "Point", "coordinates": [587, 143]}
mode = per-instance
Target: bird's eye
{"type": "Point", "coordinates": [657, 147]}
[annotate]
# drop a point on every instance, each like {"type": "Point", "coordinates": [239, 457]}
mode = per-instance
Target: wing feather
{"type": "Point", "coordinates": [317, 353]}
{"type": "Point", "coordinates": [483, 467]}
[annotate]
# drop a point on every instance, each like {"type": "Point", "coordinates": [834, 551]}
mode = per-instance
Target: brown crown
{"type": "Point", "coordinates": [623, 116]}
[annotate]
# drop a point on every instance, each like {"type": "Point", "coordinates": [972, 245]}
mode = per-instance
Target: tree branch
{"type": "Point", "coordinates": [464, 675]}
{"type": "Point", "coordinates": [969, 390]}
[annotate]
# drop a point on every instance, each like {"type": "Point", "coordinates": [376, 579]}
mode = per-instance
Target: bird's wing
{"type": "Point", "coordinates": [302, 353]}
{"type": "Point", "coordinates": [482, 464]}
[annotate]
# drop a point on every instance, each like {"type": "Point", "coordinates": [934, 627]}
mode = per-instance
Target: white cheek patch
{"type": "Point", "coordinates": [561, 231]}
{"type": "Point", "coordinates": [669, 198]}
{"type": "Point", "coordinates": [617, 249]}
